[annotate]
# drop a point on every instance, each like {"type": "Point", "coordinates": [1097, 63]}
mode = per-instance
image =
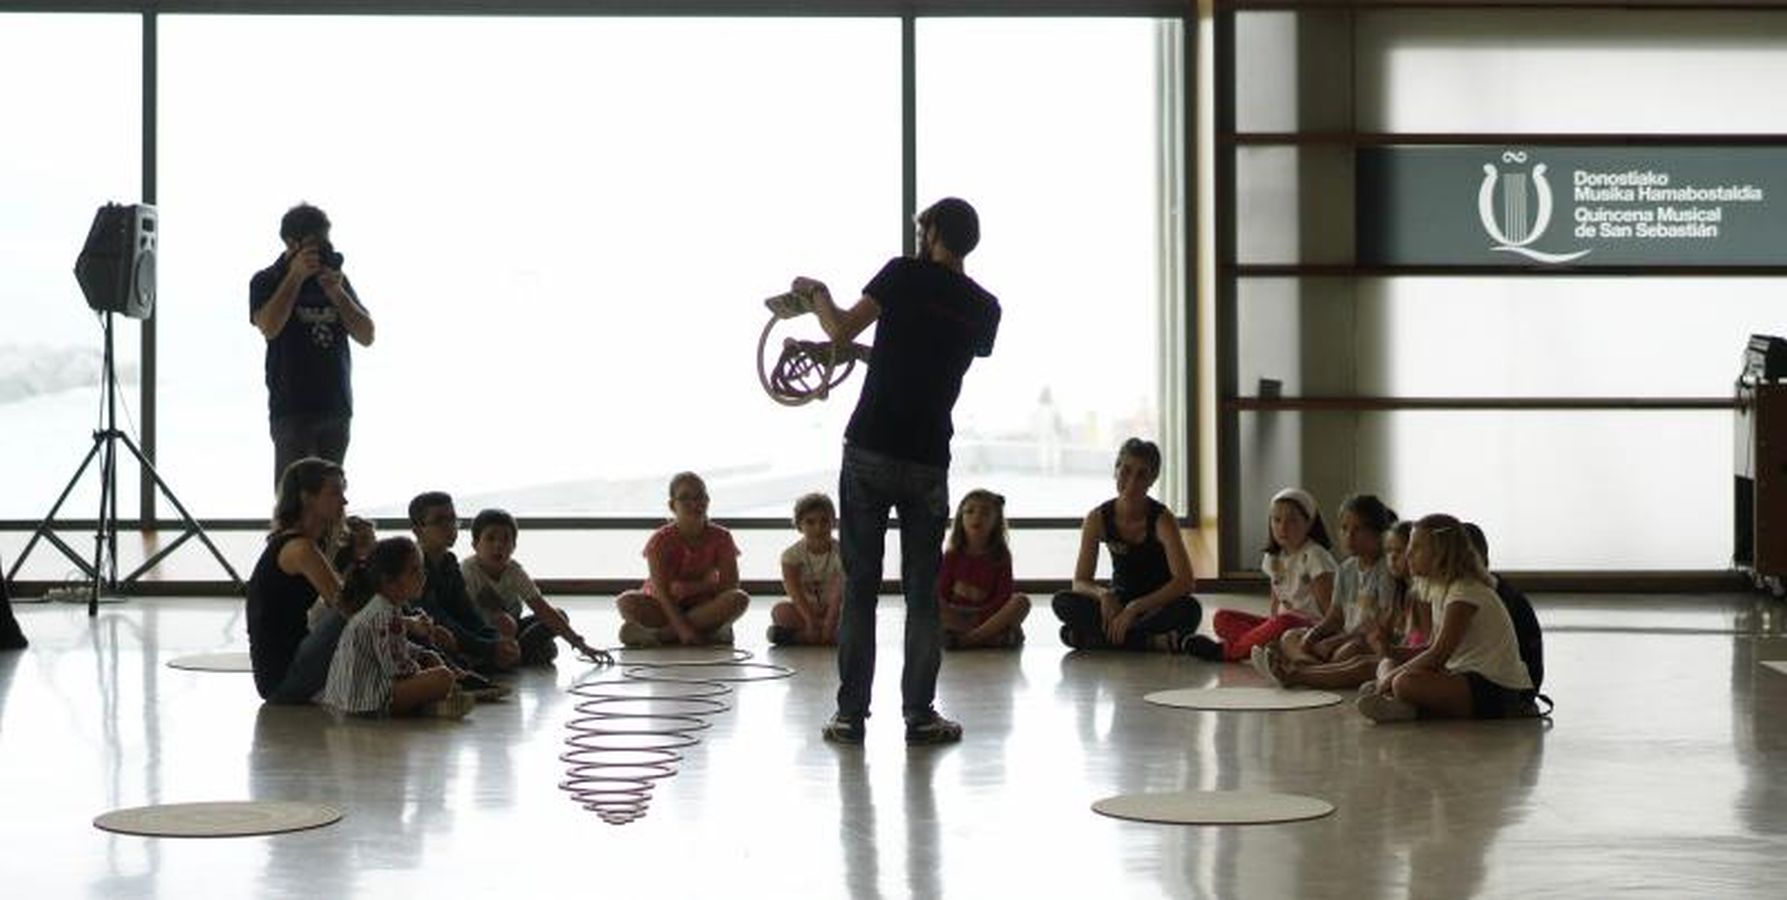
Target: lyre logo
{"type": "Point", "coordinates": [1518, 227]}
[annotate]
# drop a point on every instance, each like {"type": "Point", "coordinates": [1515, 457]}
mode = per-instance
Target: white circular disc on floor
{"type": "Point", "coordinates": [213, 662]}
{"type": "Point", "coordinates": [230, 819]}
{"type": "Point", "coordinates": [1253, 698]}
{"type": "Point", "coordinates": [1214, 807]}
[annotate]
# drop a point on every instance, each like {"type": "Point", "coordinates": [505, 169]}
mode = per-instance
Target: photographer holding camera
{"type": "Point", "coordinates": [307, 309]}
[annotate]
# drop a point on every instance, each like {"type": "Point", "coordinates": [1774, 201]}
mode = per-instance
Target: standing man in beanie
{"type": "Point", "coordinates": [307, 309]}
{"type": "Point", "coordinates": [933, 321]}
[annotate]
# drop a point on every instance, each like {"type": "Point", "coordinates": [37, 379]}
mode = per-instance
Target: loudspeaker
{"type": "Point", "coordinates": [116, 267]}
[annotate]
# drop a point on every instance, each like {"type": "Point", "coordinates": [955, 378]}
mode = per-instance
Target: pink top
{"type": "Point", "coordinates": [680, 560]}
{"type": "Point", "coordinates": [976, 585]}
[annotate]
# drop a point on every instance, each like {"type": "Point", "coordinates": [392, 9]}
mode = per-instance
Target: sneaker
{"type": "Point", "coordinates": [931, 728]}
{"type": "Point", "coordinates": [452, 706]}
{"type": "Point", "coordinates": [1379, 708]}
{"type": "Point", "coordinates": [635, 635]}
{"type": "Point", "coordinates": [779, 635]}
{"type": "Point", "coordinates": [843, 729]}
{"type": "Point", "coordinates": [721, 636]}
{"type": "Point", "coordinates": [1262, 663]}
{"type": "Point", "coordinates": [1201, 647]}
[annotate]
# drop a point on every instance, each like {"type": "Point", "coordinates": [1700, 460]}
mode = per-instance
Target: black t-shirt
{"type": "Point", "coordinates": [308, 364]}
{"type": "Point", "coordinates": [933, 322]}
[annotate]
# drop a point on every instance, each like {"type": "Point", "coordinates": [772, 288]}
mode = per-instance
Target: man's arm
{"type": "Point", "coordinates": [270, 317]}
{"type": "Point", "coordinates": [354, 316]}
{"type": "Point", "coordinates": [842, 326]}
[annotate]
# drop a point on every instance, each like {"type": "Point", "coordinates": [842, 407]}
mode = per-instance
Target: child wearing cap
{"type": "Point", "coordinates": [1301, 568]}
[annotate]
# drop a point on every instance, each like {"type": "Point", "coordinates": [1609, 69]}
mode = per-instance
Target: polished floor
{"type": "Point", "coordinates": [1663, 773]}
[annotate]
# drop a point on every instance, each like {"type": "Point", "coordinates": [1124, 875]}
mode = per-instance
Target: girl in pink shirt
{"type": "Point", "coordinates": [974, 583]}
{"type": "Point", "coordinates": [692, 595]}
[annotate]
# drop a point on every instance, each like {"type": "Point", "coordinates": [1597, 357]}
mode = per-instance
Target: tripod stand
{"type": "Point", "coordinates": [104, 569]}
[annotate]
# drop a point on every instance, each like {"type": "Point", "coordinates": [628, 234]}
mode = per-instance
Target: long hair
{"type": "Point", "coordinates": [999, 544]}
{"type": "Point", "coordinates": [304, 476]}
{"type": "Point", "coordinates": [366, 577]}
{"type": "Point", "coordinates": [1318, 532]}
{"type": "Point", "coordinates": [1452, 556]}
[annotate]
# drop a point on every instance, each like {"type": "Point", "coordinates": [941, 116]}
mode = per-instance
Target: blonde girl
{"type": "Point", "coordinates": [1472, 669]}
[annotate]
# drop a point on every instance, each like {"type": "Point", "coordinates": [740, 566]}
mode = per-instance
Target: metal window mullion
{"type": "Point", "coordinates": [147, 366]}
{"type": "Point", "coordinates": [908, 131]}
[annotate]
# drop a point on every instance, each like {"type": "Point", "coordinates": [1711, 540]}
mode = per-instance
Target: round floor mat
{"type": "Point", "coordinates": [1214, 807]}
{"type": "Point", "coordinates": [235, 661]}
{"type": "Point", "coordinates": [231, 819]}
{"type": "Point", "coordinates": [1249, 698]}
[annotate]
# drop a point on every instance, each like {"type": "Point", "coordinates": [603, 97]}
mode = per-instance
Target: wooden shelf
{"type": "Point", "coordinates": [1451, 139]}
{"type": "Point", "coordinates": [1352, 270]}
{"type": "Point", "coordinates": [1467, 404]}
{"type": "Point", "coordinates": [1231, 6]}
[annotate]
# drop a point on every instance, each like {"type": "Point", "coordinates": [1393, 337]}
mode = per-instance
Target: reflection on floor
{"type": "Point", "coordinates": [1660, 775]}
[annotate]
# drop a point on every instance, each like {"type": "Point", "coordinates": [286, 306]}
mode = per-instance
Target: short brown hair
{"type": "Point", "coordinates": [815, 501]}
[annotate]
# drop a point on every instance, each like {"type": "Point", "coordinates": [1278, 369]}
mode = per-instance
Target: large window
{"type": "Point", "coordinates": [564, 229]}
{"type": "Point", "coordinates": [70, 139]}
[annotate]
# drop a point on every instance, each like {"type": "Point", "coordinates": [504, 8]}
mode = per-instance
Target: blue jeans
{"type": "Point", "coordinates": [310, 666]}
{"type": "Point", "coordinates": [869, 485]}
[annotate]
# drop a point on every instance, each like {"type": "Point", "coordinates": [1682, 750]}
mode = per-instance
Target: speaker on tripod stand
{"type": "Point", "coordinates": [116, 267]}
{"type": "Point", "coordinates": [116, 271]}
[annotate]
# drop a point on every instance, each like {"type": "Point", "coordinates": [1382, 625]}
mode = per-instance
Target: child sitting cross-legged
{"type": "Point", "coordinates": [813, 575]}
{"type": "Point", "coordinates": [692, 595]}
{"type": "Point", "coordinates": [506, 595]}
{"type": "Point", "coordinates": [373, 670]}
{"type": "Point", "coordinates": [974, 584]}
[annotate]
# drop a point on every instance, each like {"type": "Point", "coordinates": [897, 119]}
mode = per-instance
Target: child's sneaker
{"type": "Point", "coordinates": [721, 636]}
{"type": "Point", "coordinates": [452, 706]}
{"type": "Point", "coordinates": [637, 636]}
{"type": "Point", "coordinates": [1379, 708]}
{"type": "Point", "coordinates": [482, 689]}
{"type": "Point", "coordinates": [1201, 647]}
{"type": "Point", "coordinates": [779, 635]}
{"type": "Point", "coordinates": [930, 728]}
{"type": "Point", "coordinates": [843, 729]}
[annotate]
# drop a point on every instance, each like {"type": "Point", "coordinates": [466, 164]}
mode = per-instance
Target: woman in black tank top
{"type": "Point", "coordinates": [1148, 605]}
{"type": "Point", "coordinates": [290, 575]}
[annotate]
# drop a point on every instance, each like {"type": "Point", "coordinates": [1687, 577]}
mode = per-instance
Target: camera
{"type": "Point", "coordinates": [328, 255]}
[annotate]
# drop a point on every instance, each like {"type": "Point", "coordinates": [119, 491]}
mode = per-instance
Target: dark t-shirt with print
{"type": "Point", "coordinates": [934, 321]}
{"type": "Point", "coordinates": [308, 364]}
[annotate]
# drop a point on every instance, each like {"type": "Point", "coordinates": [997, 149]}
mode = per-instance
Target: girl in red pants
{"type": "Point", "coordinates": [1302, 573]}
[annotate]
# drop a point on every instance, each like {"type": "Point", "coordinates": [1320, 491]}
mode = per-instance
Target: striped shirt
{"type": "Point", "coordinates": [372, 654]}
